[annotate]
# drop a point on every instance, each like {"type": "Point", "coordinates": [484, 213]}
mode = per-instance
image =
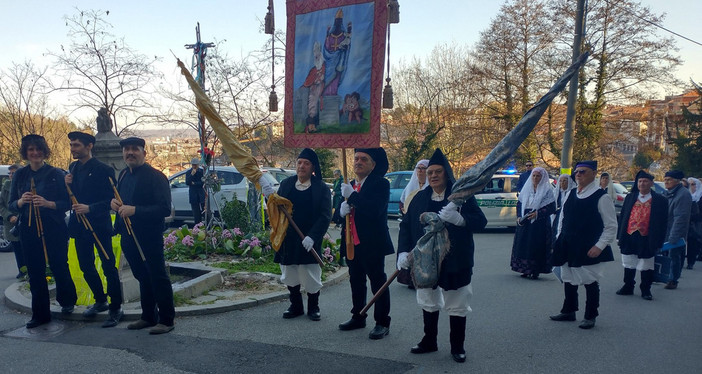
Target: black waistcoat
{"type": "Point", "coordinates": [581, 229]}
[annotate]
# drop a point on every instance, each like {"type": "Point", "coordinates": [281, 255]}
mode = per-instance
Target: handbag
{"type": "Point", "coordinates": [662, 269]}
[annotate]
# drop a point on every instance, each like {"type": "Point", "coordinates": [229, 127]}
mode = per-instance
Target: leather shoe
{"type": "Point", "coordinates": [352, 324]}
{"type": "Point", "coordinates": [36, 323]}
{"type": "Point", "coordinates": [378, 332]}
{"type": "Point", "coordinates": [671, 286]}
{"type": "Point", "coordinates": [68, 309]}
{"type": "Point", "coordinates": [140, 324]}
{"type": "Point", "coordinates": [459, 357]}
{"type": "Point", "coordinates": [314, 315]}
{"type": "Point", "coordinates": [292, 313]}
{"type": "Point", "coordinates": [587, 324]}
{"type": "Point", "coordinates": [161, 329]}
{"type": "Point", "coordinates": [114, 318]}
{"type": "Point", "coordinates": [563, 317]}
{"type": "Point", "coordinates": [647, 296]}
{"type": "Point", "coordinates": [625, 291]}
{"type": "Point", "coordinates": [419, 349]}
{"type": "Point", "coordinates": [94, 309]}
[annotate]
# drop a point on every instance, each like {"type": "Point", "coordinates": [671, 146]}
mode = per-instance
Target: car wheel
{"type": "Point", "coordinates": [5, 245]}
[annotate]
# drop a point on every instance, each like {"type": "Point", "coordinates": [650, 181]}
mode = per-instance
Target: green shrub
{"type": "Point", "coordinates": [235, 214]}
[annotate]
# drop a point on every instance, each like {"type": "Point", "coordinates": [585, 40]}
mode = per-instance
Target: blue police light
{"type": "Point", "coordinates": [507, 171]}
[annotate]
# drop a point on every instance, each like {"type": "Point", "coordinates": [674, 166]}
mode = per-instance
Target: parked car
{"type": "Point", "coordinates": [279, 173]}
{"type": "Point", "coordinates": [232, 183]}
{"type": "Point", "coordinates": [658, 186]}
{"type": "Point", "coordinates": [398, 181]}
{"type": "Point", "coordinates": [498, 200]}
{"type": "Point", "coordinates": [621, 193]}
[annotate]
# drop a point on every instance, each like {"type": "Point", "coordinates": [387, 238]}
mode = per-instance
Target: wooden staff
{"type": "Point", "coordinates": [347, 227]}
{"type": "Point", "coordinates": [127, 221]}
{"type": "Point", "coordinates": [299, 232]}
{"type": "Point", "coordinates": [34, 210]}
{"type": "Point", "coordinates": [82, 218]}
{"type": "Point", "coordinates": [380, 292]}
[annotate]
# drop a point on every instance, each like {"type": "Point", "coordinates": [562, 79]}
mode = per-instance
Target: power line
{"type": "Point", "coordinates": [655, 24]}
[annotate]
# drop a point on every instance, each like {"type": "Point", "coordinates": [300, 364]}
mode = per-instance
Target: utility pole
{"type": "Point", "coordinates": [568, 134]}
{"type": "Point", "coordinates": [199, 54]}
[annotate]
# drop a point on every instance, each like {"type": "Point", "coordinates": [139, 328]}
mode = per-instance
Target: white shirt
{"type": "Point", "coordinates": [437, 196]}
{"type": "Point", "coordinates": [644, 198]}
{"type": "Point", "coordinates": [303, 186]}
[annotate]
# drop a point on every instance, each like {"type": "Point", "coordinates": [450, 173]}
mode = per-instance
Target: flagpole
{"type": "Point", "coordinates": [347, 227]}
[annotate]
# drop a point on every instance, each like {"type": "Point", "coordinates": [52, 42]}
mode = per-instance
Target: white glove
{"type": "Point", "coordinates": [452, 216]}
{"type": "Point", "coordinates": [346, 190]}
{"type": "Point", "coordinates": [344, 209]}
{"type": "Point", "coordinates": [450, 206]}
{"type": "Point", "coordinates": [403, 261]}
{"type": "Point", "coordinates": [308, 243]}
{"type": "Point", "coordinates": [266, 186]}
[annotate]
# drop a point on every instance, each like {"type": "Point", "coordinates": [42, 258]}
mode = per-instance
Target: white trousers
{"type": "Point", "coordinates": [454, 302]}
{"type": "Point", "coordinates": [309, 276]}
{"type": "Point", "coordinates": [640, 264]}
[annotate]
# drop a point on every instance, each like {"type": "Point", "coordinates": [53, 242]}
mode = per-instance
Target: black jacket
{"type": "Point", "coordinates": [152, 199]}
{"type": "Point", "coordinates": [457, 266]}
{"type": "Point", "coordinates": [371, 218]}
{"type": "Point", "coordinates": [91, 186]}
{"type": "Point", "coordinates": [656, 227]}
{"type": "Point", "coordinates": [318, 223]}
{"type": "Point", "coordinates": [50, 184]}
{"type": "Point", "coordinates": [196, 192]}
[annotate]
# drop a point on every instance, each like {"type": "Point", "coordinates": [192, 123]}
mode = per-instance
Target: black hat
{"type": "Point", "coordinates": [438, 158]}
{"type": "Point", "coordinates": [605, 174]}
{"type": "Point", "coordinates": [675, 174]}
{"type": "Point", "coordinates": [82, 137]}
{"type": "Point", "coordinates": [588, 164]}
{"type": "Point", "coordinates": [132, 141]}
{"type": "Point", "coordinates": [379, 157]}
{"type": "Point", "coordinates": [32, 137]}
{"type": "Point", "coordinates": [639, 175]}
{"type": "Point", "coordinates": [309, 154]}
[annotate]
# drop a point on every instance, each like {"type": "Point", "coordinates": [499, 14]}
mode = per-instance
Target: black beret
{"type": "Point", "coordinates": [83, 137]}
{"type": "Point", "coordinates": [32, 137]}
{"type": "Point", "coordinates": [588, 164]}
{"type": "Point", "coordinates": [676, 174]}
{"type": "Point", "coordinates": [132, 141]}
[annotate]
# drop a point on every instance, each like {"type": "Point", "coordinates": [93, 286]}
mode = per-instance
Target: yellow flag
{"type": "Point", "coordinates": [239, 155]}
{"type": "Point", "coordinates": [279, 223]}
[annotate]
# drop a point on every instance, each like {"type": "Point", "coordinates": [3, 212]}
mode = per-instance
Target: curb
{"type": "Point", "coordinates": [14, 299]}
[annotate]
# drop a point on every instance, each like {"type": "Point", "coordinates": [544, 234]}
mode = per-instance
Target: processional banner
{"type": "Point", "coordinates": [334, 72]}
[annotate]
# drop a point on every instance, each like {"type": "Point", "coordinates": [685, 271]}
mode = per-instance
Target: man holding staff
{"type": "Point", "coordinates": [142, 201]}
{"type": "Point", "coordinates": [89, 181]}
{"type": "Point", "coordinates": [367, 203]}
{"type": "Point", "coordinates": [311, 201]}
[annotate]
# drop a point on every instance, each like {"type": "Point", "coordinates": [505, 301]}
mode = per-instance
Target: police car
{"type": "Point", "coordinates": [498, 199]}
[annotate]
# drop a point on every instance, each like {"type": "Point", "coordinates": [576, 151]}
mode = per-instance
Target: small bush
{"type": "Point", "coordinates": [236, 214]}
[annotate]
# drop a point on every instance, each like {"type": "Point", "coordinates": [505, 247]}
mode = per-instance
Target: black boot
{"type": "Point", "coordinates": [646, 280]}
{"type": "Point", "coordinates": [313, 312]}
{"type": "Point", "coordinates": [457, 337]}
{"type": "Point", "coordinates": [629, 282]}
{"type": "Point", "coordinates": [296, 309]}
{"type": "Point", "coordinates": [431, 330]}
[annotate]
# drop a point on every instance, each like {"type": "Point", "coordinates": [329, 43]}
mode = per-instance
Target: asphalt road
{"type": "Point", "coordinates": [508, 332]}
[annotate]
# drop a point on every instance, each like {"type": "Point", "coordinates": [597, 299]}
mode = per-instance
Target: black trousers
{"type": "Point", "coordinates": [56, 239]}
{"type": "Point", "coordinates": [374, 269]}
{"type": "Point", "coordinates": [197, 209]}
{"type": "Point", "coordinates": [154, 284]}
{"type": "Point", "coordinates": [19, 256]}
{"type": "Point", "coordinates": [85, 249]}
{"type": "Point", "coordinates": [592, 301]}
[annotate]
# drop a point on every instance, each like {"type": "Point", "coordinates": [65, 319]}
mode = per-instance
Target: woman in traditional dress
{"type": "Point", "coordinates": [417, 182]}
{"type": "Point", "coordinates": [532, 241]}
{"type": "Point", "coordinates": [694, 234]}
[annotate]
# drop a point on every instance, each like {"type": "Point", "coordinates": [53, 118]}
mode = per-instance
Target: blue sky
{"type": "Point", "coordinates": [154, 27]}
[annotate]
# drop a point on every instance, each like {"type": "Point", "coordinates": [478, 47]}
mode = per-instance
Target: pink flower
{"type": "Point", "coordinates": [237, 231]}
{"type": "Point", "coordinates": [188, 241]}
{"type": "Point", "coordinates": [226, 234]}
{"type": "Point", "coordinates": [243, 243]}
{"type": "Point", "coordinates": [255, 242]}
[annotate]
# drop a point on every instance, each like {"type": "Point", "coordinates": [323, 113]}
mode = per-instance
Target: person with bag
{"type": "Point", "coordinates": [452, 290]}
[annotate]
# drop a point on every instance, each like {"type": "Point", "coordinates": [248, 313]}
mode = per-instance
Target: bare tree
{"type": "Point", "coordinates": [24, 110]}
{"type": "Point", "coordinates": [100, 70]}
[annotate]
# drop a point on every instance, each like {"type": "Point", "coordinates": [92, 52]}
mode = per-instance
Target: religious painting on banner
{"type": "Point", "coordinates": [334, 72]}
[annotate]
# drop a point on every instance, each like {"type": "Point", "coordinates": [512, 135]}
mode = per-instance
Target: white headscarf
{"type": "Point", "coordinates": [413, 184]}
{"type": "Point", "coordinates": [564, 193]}
{"type": "Point", "coordinates": [543, 195]}
{"type": "Point", "coordinates": [698, 189]}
